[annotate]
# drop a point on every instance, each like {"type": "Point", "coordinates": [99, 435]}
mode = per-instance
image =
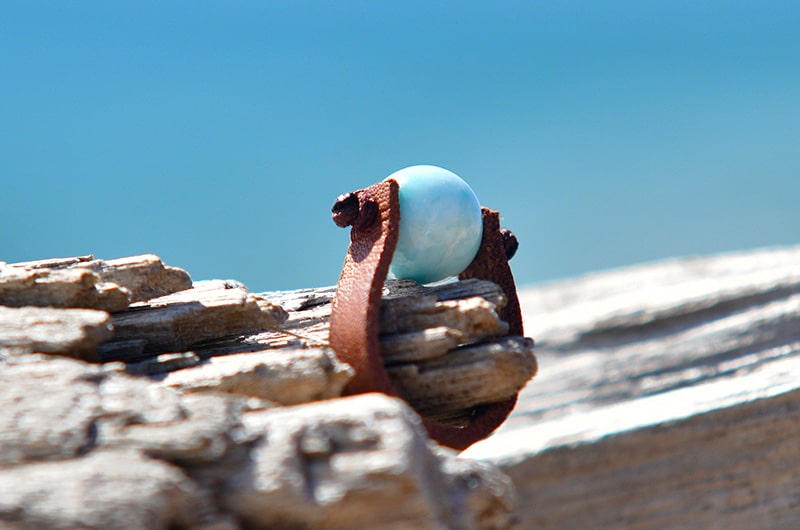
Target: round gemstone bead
{"type": "Point", "coordinates": [440, 224]}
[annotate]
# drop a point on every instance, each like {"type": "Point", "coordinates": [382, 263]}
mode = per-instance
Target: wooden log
{"type": "Point", "coordinates": [668, 397]}
{"type": "Point", "coordinates": [365, 460]}
{"type": "Point", "coordinates": [214, 318]}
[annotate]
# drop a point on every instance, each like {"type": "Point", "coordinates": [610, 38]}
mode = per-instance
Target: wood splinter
{"type": "Point", "coordinates": [374, 215]}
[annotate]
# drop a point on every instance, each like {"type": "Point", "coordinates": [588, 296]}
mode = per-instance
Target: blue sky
{"type": "Point", "coordinates": [218, 134]}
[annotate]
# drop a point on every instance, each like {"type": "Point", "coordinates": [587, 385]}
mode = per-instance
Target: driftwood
{"type": "Point", "coordinates": [183, 420]}
{"type": "Point", "coordinates": [89, 283]}
{"type": "Point", "coordinates": [48, 330]}
{"type": "Point", "coordinates": [102, 449]}
{"type": "Point", "coordinates": [288, 376]}
{"type": "Point", "coordinates": [669, 397]}
{"type": "Point", "coordinates": [333, 452]}
{"type": "Point", "coordinates": [209, 310]}
{"type": "Point", "coordinates": [21, 287]}
{"type": "Point", "coordinates": [475, 375]}
{"type": "Point", "coordinates": [440, 344]}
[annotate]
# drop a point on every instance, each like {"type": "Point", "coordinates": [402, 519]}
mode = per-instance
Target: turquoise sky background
{"type": "Point", "coordinates": [218, 134]}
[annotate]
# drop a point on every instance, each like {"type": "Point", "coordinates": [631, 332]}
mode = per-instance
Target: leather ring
{"type": "Point", "coordinates": [374, 214]}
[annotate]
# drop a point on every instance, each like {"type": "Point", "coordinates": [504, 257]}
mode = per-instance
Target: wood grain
{"type": "Point", "coordinates": [444, 344]}
{"type": "Point", "coordinates": [71, 332]}
{"type": "Point", "coordinates": [668, 397]}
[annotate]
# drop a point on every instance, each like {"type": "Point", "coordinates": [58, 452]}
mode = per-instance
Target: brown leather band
{"type": "Point", "coordinates": [491, 264]}
{"type": "Point", "coordinates": [355, 316]}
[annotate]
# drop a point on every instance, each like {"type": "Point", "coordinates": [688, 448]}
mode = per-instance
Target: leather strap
{"type": "Point", "coordinates": [374, 214]}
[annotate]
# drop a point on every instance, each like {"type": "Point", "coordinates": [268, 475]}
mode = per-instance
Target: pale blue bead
{"type": "Point", "coordinates": [440, 224]}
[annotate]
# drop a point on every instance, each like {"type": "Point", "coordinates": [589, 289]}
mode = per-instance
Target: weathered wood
{"type": "Point", "coordinates": [71, 332]}
{"type": "Point", "coordinates": [213, 449]}
{"type": "Point", "coordinates": [670, 462]}
{"type": "Point", "coordinates": [59, 288]}
{"type": "Point", "coordinates": [210, 310]}
{"type": "Point", "coordinates": [470, 320]}
{"type": "Point", "coordinates": [285, 376]}
{"type": "Point", "coordinates": [48, 409]}
{"type": "Point", "coordinates": [668, 397]}
{"type": "Point", "coordinates": [446, 389]}
{"type": "Point", "coordinates": [335, 465]}
{"type": "Point", "coordinates": [52, 263]}
{"type": "Point", "coordinates": [422, 329]}
{"type": "Point", "coordinates": [89, 283]}
{"type": "Point", "coordinates": [161, 364]}
{"type": "Point", "coordinates": [73, 440]}
{"type": "Point", "coordinates": [105, 489]}
{"type": "Point", "coordinates": [419, 345]}
{"type": "Point", "coordinates": [145, 276]}
{"type": "Point", "coordinates": [310, 309]}
{"type": "Point", "coordinates": [275, 369]}
{"type": "Point", "coordinates": [101, 449]}
{"type": "Point", "coordinates": [221, 318]}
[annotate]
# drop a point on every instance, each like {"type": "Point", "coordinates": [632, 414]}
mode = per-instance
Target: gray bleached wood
{"type": "Point", "coordinates": [50, 425]}
{"type": "Point", "coordinates": [668, 397]}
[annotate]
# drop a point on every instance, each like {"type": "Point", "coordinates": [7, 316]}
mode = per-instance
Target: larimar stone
{"type": "Point", "coordinates": [440, 224]}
